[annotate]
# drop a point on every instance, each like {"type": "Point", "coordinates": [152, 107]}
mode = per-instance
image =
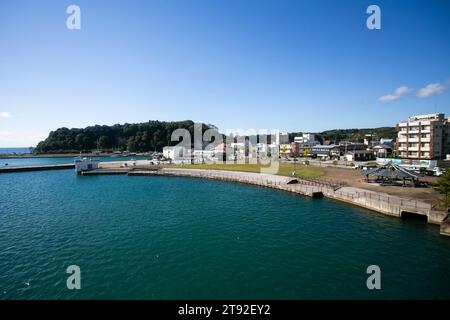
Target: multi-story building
{"type": "Point", "coordinates": [306, 138]}
{"type": "Point", "coordinates": [423, 137]}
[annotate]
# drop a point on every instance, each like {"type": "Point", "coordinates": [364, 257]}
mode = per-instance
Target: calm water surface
{"type": "Point", "coordinates": [14, 162]}
{"type": "Point", "coordinates": [180, 238]}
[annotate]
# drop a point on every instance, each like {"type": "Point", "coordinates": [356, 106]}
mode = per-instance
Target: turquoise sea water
{"type": "Point", "coordinates": [180, 238]}
{"type": "Point", "coordinates": [12, 162]}
{"type": "Point", "coordinates": [14, 150]}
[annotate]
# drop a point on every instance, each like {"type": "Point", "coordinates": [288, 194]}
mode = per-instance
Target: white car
{"type": "Point", "coordinates": [438, 171]}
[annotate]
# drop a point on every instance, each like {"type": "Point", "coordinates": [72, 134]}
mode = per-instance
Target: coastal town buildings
{"type": "Point", "coordinates": [424, 137]}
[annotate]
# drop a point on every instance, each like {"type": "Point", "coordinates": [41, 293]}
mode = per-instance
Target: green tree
{"type": "Point", "coordinates": [131, 144]}
{"type": "Point", "coordinates": [103, 142]}
{"type": "Point", "coordinates": [443, 187]}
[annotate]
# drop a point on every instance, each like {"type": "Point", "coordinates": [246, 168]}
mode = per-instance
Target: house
{"type": "Point", "coordinates": [331, 151]}
{"type": "Point", "coordinates": [368, 139]}
{"type": "Point", "coordinates": [359, 155]}
{"type": "Point", "coordinates": [349, 146]}
{"type": "Point", "coordinates": [383, 150]}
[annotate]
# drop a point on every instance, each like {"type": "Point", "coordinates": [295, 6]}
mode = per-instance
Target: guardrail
{"type": "Point", "coordinates": [383, 200]}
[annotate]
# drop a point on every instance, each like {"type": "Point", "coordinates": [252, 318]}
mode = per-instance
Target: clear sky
{"type": "Point", "coordinates": [288, 65]}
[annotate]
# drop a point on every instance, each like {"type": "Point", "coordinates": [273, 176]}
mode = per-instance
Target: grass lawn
{"type": "Point", "coordinates": [285, 169]}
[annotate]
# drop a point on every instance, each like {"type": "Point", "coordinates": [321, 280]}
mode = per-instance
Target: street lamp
{"type": "Point", "coordinates": [295, 165]}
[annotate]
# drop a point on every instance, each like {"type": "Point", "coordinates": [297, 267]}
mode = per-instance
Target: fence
{"type": "Point", "coordinates": [322, 183]}
{"type": "Point", "coordinates": [380, 200]}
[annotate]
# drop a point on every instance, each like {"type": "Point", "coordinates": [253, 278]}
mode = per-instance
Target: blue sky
{"type": "Point", "coordinates": [288, 65]}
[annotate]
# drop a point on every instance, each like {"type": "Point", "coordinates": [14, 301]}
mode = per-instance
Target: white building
{"type": "Point", "coordinates": [386, 141]}
{"type": "Point", "coordinates": [85, 164]}
{"type": "Point", "coordinates": [306, 138]}
{"type": "Point", "coordinates": [423, 137]}
{"type": "Point", "coordinates": [176, 153]}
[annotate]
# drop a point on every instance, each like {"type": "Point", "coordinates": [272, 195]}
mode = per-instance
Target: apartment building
{"type": "Point", "coordinates": [423, 137]}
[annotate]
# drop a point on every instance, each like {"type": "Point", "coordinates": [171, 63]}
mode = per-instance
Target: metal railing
{"type": "Point", "coordinates": [305, 186]}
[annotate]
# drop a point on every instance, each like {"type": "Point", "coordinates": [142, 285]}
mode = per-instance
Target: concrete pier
{"type": "Point", "coordinates": [102, 171]}
{"type": "Point", "coordinates": [37, 168]}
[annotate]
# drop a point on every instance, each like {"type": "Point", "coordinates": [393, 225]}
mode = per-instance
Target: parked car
{"type": "Point", "coordinates": [438, 171]}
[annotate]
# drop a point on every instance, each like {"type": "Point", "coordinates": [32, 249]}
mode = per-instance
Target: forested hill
{"type": "Point", "coordinates": [154, 135]}
{"type": "Point", "coordinates": [138, 137]}
{"type": "Point", "coordinates": [354, 135]}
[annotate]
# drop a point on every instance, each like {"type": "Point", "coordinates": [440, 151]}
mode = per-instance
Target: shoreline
{"type": "Point", "coordinates": [375, 201]}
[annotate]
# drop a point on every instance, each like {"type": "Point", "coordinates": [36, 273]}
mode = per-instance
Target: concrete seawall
{"type": "Point", "coordinates": [382, 203]}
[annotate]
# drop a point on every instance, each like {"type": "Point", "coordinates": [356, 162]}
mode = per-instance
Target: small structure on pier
{"type": "Point", "coordinates": [392, 174]}
{"type": "Point", "coordinates": [85, 164]}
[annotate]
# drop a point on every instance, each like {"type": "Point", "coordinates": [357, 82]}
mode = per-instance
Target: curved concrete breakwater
{"type": "Point", "coordinates": [379, 202]}
{"type": "Point", "coordinates": [389, 205]}
{"type": "Point", "coordinates": [382, 203]}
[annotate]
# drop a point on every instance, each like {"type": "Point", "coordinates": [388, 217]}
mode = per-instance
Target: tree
{"type": "Point", "coordinates": [103, 142]}
{"type": "Point", "coordinates": [131, 144]}
{"type": "Point", "coordinates": [443, 187]}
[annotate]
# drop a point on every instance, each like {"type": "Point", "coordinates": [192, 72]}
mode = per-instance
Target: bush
{"type": "Point", "coordinates": [443, 187]}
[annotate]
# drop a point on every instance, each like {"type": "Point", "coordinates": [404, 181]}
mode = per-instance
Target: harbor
{"type": "Point", "coordinates": [379, 202]}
